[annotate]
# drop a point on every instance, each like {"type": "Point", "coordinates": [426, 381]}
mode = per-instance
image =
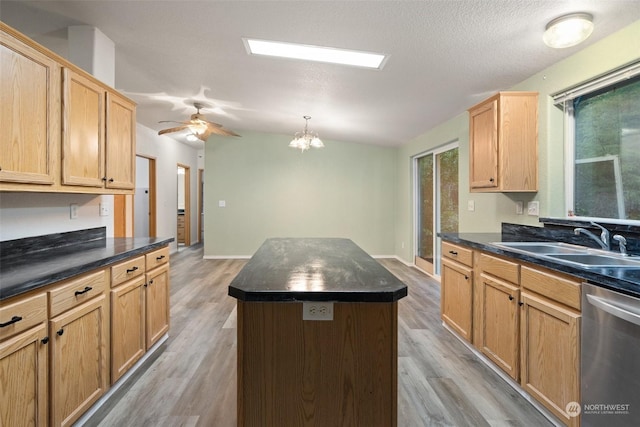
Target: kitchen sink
{"type": "Point", "coordinates": [543, 248]}
{"type": "Point", "coordinates": [575, 255]}
{"type": "Point", "coordinates": [597, 260]}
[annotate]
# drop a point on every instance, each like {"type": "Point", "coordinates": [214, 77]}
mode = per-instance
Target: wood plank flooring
{"type": "Point", "coordinates": [193, 382]}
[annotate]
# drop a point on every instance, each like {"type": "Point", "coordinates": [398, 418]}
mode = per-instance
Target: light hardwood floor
{"type": "Point", "coordinates": [193, 382]}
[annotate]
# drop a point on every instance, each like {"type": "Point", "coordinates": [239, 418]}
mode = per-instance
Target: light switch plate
{"type": "Point", "coordinates": [533, 208]}
{"type": "Point", "coordinates": [73, 211]}
{"type": "Point", "coordinates": [519, 207]}
{"type": "Point", "coordinates": [222, 203]}
{"type": "Point", "coordinates": [471, 205]}
{"type": "Point", "coordinates": [104, 209]}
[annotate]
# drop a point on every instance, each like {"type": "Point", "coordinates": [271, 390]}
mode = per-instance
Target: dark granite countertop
{"type": "Point", "coordinates": [49, 261]}
{"type": "Point", "coordinates": [315, 269]}
{"type": "Point", "coordinates": [625, 280]}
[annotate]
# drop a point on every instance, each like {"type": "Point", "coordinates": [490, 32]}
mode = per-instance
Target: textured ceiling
{"type": "Point", "coordinates": [444, 56]}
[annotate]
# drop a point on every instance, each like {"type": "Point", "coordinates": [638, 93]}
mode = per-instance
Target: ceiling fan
{"type": "Point", "coordinates": [198, 125]}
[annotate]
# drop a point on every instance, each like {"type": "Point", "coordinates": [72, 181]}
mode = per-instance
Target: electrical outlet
{"type": "Point", "coordinates": [104, 209]}
{"type": "Point", "coordinates": [533, 208]}
{"type": "Point", "coordinates": [222, 204]}
{"type": "Point", "coordinates": [73, 211]}
{"type": "Point", "coordinates": [317, 311]}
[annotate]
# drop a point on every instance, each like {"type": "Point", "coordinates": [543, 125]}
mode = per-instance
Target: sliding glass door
{"type": "Point", "coordinates": [436, 202]}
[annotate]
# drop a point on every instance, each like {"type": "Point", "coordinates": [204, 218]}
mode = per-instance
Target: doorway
{"type": "Point", "coordinates": [144, 200]}
{"type": "Point", "coordinates": [184, 206]}
{"type": "Point", "coordinates": [436, 203]}
{"type": "Point", "coordinates": [200, 205]}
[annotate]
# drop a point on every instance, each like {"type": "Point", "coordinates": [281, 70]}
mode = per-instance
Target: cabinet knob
{"type": "Point", "coordinates": [520, 303]}
{"type": "Point", "coordinates": [13, 320]}
{"type": "Point", "coordinates": [44, 340]}
{"type": "Point", "coordinates": [110, 179]}
{"type": "Point", "coordinates": [510, 297]}
{"type": "Point", "coordinates": [60, 332]}
{"type": "Point", "coordinates": [491, 179]}
{"type": "Point", "coordinates": [466, 277]}
{"type": "Point", "coordinates": [150, 282]}
{"type": "Point", "coordinates": [104, 178]}
{"type": "Point", "coordinates": [84, 291]}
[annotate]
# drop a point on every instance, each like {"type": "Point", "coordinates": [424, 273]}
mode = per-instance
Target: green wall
{"type": "Point", "coordinates": [365, 192]}
{"type": "Point", "coordinates": [492, 209]}
{"type": "Point", "coordinates": [271, 190]}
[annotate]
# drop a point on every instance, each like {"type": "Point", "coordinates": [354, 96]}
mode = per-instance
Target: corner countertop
{"type": "Point", "coordinates": [23, 273]}
{"type": "Point", "coordinates": [624, 280]}
{"type": "Point", "coordinates": [314, 269]}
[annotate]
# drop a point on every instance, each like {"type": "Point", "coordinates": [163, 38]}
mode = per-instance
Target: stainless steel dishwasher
{"type": "Point", "coordinates": [610, 353]}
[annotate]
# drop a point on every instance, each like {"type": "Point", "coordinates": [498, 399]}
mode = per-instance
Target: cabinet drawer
{"type": "Point", "coordinates": [77, 291]}
{"type": "Point", "coordinates": [126, 270]}
{"type": "Point", "coordinates": [552, 286]}
{"type": "Point", "coordinates": [22, 314]}
{"type": "Point", "coordinates": [501, 268]}
{"type": "Point", "coordinates": [157, 257]}
{"type": "Point", "coordinates": [458, 253]}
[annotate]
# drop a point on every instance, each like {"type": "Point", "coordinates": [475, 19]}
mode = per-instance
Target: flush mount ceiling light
{"type": "Point", "coordinates": [306, 139]}
{"type": "Point", "coordinates": [315, 53]}
{"type": "Point", "coordinates": [568, 30]}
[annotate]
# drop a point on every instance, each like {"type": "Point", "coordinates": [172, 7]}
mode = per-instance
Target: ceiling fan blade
{"type": "Point", "coordinates": [175, 129]}
{"type": "Point", "coordinates": [222, 131]}
{"type": "Point", "coordinates": [173, 121]}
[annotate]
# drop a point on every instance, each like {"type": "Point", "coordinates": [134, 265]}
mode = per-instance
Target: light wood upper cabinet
{"type": "Point", "coordinates": [121, 142]}
{"type": "Point", "coordinates": [83, 129]}
{"type": "Point", "coordinates": [29, 114]}
{"type": "Point", "coordinates": [62, 130]}
{"type": "Point", "coordinates": [503, 143]}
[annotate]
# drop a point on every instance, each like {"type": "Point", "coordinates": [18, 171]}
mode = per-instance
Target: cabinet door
{"type": "Point", "coordinates": [29, 84]}
{"type": "Point", "coordinates": [24, 378]}
{"type": "Point", "coordinates": [79, 360]}
{"type": "Point", "coordinates": [127, 326]}
{"type": "Point", "coordinates": [483, 146]}
{"type": "Point", "coordinates": [550, 336]}
{"type": "Point", "coordinates": [83, 131]}
{"type": "Point", "coordinates": [456, 297]}
{"type": "Point", "coordinates": [500, 323]}
{"type": "Point", "coordinates": [157, 296]}
{"type": "Point", "coordinates": [121, 142]}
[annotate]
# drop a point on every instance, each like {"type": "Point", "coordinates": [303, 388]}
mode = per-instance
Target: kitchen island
{"type": "Point", "coordinates": [293, 367]}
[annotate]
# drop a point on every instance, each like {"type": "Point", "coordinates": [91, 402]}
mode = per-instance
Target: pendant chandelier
{"type": "Point", "coordinates": [306, 139]}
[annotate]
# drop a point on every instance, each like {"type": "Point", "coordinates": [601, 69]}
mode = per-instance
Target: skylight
{"type": "Point", "coordinates": [315, 53]}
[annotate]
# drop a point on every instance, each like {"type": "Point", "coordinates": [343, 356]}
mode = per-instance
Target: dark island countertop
{"type": "Point", "coordinates": [314, 269]}
{"type": "Point", "coordinates": [624, 280]}
{"type": "Point", "coordinates": [45, 262]}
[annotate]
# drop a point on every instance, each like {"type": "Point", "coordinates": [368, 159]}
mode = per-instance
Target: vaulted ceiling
{"type": "Point", "coordinates": [444, 56]}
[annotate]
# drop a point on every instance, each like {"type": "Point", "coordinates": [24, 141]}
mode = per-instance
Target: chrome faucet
{"type": "Point", "coordinates": [623, 244]}
{"type": "Point", "coordinates": [603, 241]}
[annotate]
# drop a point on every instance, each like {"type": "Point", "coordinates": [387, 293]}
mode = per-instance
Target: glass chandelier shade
{"type": "Point", "coordinates": [306, 139]}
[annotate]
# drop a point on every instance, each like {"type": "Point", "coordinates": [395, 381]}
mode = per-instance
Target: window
{"type": "Point", "coordinates": [603, 162]}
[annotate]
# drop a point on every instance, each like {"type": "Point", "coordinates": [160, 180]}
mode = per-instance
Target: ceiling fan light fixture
{"type": "Point", "coordinates": [306, 139]}
{"type": "Point", "coordinates": [568, 30]}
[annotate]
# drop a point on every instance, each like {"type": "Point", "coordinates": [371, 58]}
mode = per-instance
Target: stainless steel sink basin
{"type": "Point", "coordinates": [597, 260]}
{"type": "Point", "coordinates": [543, 248]}
{"type": "Point", "coordinates": [579, 256]}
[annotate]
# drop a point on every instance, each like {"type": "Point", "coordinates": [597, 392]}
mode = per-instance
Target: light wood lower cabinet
{"type": "Point", "coordinates": [60, 346]}
{"type": "Point", "coordinates": [24, 379]}
{"type": "Point", "coordinates": [128, 343]}
{"type": "Point", "coordinates": [456, 297]}
{"type": "Point", "coordinates": [524, 318]}
{"type": "Point", "coordinates": [79, 358]}
{"type": "Point", "coordinates": [24, 376]}
{"type": "Point", "coordinates": [157, 304]}
{"type": "Point", "coordinates": [500, 331]}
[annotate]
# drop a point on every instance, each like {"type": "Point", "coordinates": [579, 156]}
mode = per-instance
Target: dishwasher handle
{"type": "Point", "coordinates": [613, 309]}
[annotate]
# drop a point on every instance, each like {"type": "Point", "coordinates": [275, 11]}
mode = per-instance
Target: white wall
{"type": "Point", "coordinates": [168, 153]}
{"type": "Point", "coordinates": [35, 214]}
